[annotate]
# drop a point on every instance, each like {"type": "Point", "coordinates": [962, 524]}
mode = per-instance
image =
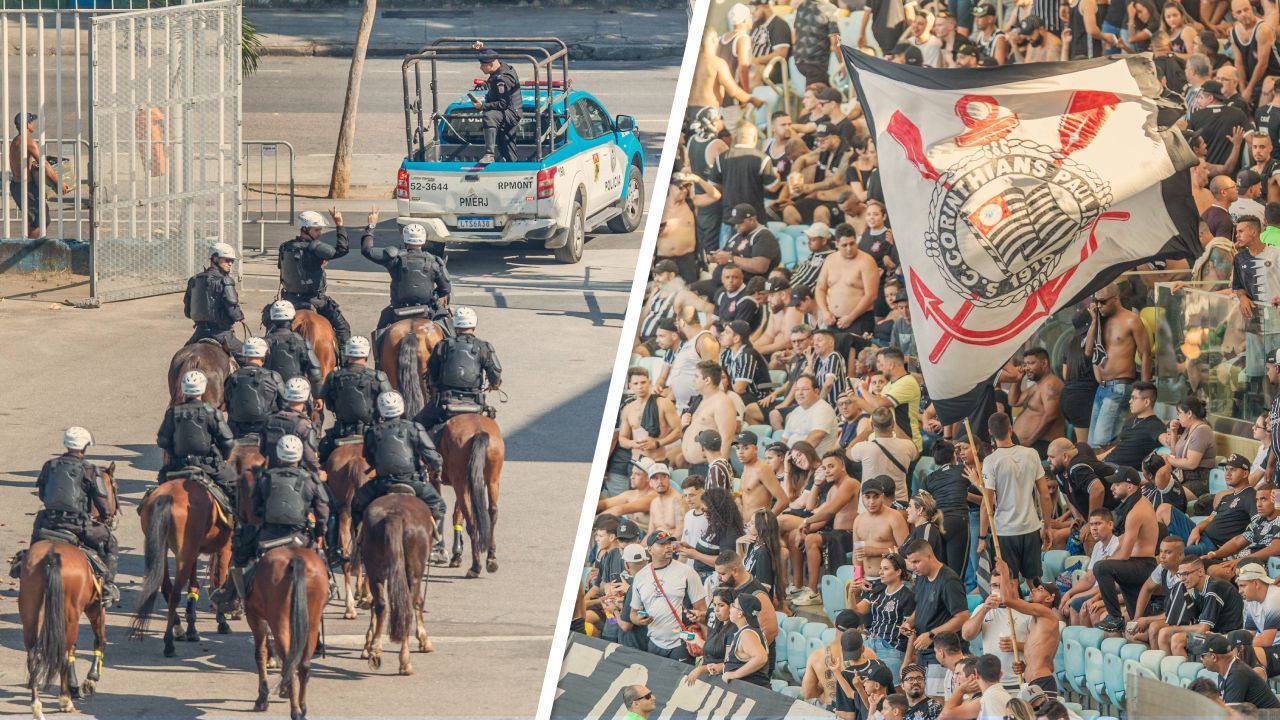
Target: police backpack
{"type": "Point", "coordinates": [393, 448]}
{"type": "Point", "coordinates": [278, 425]}
{"type": "Point", "coordinates": [286, 353]}
{"type": "Point", "coordinates": [293, 269]}
{"type": "Point", "coordinates": [287, 503]}
{"type": "Point", "coordinates": [460, 366]}
{"type": "Point", "coordinates": [353, 396]}
{"type": "Point", "coordinates": [246, 401]}
{"type": "Point", "coordinates": [205, 292]}
{"type": "Point", "coordinates": [416, 279]}
{"type": "Point", "coordinates": [191, 436]}
{"type": "Point", "coordinates": [64, 489]}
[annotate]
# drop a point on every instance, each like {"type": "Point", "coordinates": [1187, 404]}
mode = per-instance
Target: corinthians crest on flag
{"type": "Point", "coordinates": [1014, 192]}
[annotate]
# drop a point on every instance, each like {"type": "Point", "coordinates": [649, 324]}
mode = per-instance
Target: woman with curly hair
{"type": "Point", "coordinates": [925, 520]}
{"type": "Point", "coordinates": [724, 527]}
{"type": "Point", "coordinates": [762, 556]}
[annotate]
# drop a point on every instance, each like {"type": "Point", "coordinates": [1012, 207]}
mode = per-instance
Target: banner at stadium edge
{"type": "Point", "coordinates": [1017, 191]}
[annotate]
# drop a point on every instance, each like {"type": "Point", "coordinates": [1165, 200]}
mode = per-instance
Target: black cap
{"type": "Point", "coordinates": [777, 283]}
{"type": "Point", "coordinates": [1236, 460]}
{"type": "Point", "coordinates": [987, 61]}
{"type": "Point", "coordinates": [1213, 88]}
{"type": "Point", "coordinates": [943, 15]}
{"type": "Point", "coordinates": [1216, 644]}
{"type": "Point", "coordinates": [878, 672]}
{"type": "Point", "coordinates": [628, 530]}
{"type": "Point", "coordinates": [983, 10]}
{"type": "Point", "coordinates": [741, 328]}
{"type": "Point", "coordinates": [17, 120]}
{"type": "Point", "coordinates": [1190, 135]}
{"type": "Point", "coordinates": [901, 296]}
{"type": "Point", "coordinates": [740, 212]}
{"type": "Point", "coordinates": [899, 49]}
{"type": "Point", "coordinates": [823, 129]}
{"type": "Point", "coordinates": [709, 439]}
{"type": "Point", "coordinates": [882, 484]}
{"type": "Point", "coordinates": [799, 294]}
{"type": "Point", "coordinates": [1030, 24]}
{"type": "Point", "coordinates": [665, 266]}
{"type": "Point", "coordinates": [660, 536]}
{"type": "Point", "coordinates": [1049, 587]}
{"type": "Point", "coordinates": [1124, 473]}
{"type": "Point", "coordinates": [912, 56]}
{"type": "Point", "coordinates": [486, 56]}
{"type": "Point", "coordinates": [1246, 179]}
{"type": "Point", "coordinates": [829, 94]}
{"type": "Point", "coordinates": [968, 49]}
{"type": "Point", "coordinates": [746, 437]}
{"type": "Point", "coordinates": [848, 620]}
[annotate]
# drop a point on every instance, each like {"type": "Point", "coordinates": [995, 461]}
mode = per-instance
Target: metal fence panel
{"type": "Point", "coordinates": [166, 144]}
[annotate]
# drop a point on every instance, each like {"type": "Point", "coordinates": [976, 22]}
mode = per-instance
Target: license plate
{"type": "Point", "coordinates": [475, 223]}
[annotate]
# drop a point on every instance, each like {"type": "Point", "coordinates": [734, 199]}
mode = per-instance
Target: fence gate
{"type": "Point", "coordinates": [165, 132]}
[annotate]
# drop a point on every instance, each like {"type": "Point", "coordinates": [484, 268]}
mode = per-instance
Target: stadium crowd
{"type": "Point", "coordinates": [782, 505]}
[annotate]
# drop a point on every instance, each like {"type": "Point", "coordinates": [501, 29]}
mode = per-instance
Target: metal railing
{"type": "Point", "coordinates": [257, 210]}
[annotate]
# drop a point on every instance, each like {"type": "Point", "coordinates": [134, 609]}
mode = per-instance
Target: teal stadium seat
{"type": "Point", "coordinates": [1135, 667]}
{"type": "Point", "coordinates": [678, 477]}
{"type": "Point", "coordinates": [1113, 679]}
{"type": "Point", "coordinates": [828, 635]}
{"type": "Point", "coordinates": [813, 629]}
{"type": "Point", "coordinates": [1217, 480]}
{"type": "Point", "coordinates": [1089, 714]}
{"type": "Point", "coordinates": [1073, 665]}
{"type": "Point", "coordinates": [1150, 659]}
{"type": "Point", "coordinates": [787, 248]}
{"type": "Point", "coordinates": [1094, 676]}
{"type": "Point", "coordinates": [777, 685]}
{"type": "Point", "coordinates": [797, 655]}
{"type": "Point", "coordinates": [1052, 563]}
{"type": "Point", "coordinates": [845, 573]}
{"type": "Point", "coordinates": [775, 226]}
{"type": "Point", "coordinates": [793, 692]}
{"type": "Point", "coordinates": [832, 589]}
{"type": "Point", "coordinates": [1169, 669]}
{"type": "Point", "coordinates": [1188, 671]}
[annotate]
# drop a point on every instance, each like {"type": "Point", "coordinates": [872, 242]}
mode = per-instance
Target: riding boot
{"type": "Point", "coordinates": [230, 589]}
{"type": "Point", "coordinates": [15, 570]}
{"type": "Point", "coordinates": [110, 593]}
{"type": "Point", "coordinates": [490, 145]}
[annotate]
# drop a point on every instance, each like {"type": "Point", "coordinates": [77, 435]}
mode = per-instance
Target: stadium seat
{"type": "Point", "coordinates": [845, 573]}
{"type": "Point", "coordinates": [653, 365]}
{"type": "Point", "coordinates": [1095, 675]}
{"type": "Point", "coordinates": [1209, 675]}
{"type": "Point", "coordinates": [736, 463]}
{"type": "Point", "coordinates": [1113, 679]}
{"type": "Point", "coordinates": [787, 248]}
{"type": "Point", "coordinates": [828, 635]}
{"type": "Point", "coordinates": [777, 685]}
{"type": "Point", "coordinates": [1073, 665]}
{"type": "Point", "coordinates": [1217, 480]}
{"type": "Point", "coordinates": [1273, 567]}
{"type": "Point", "coordinates": [1135, 667]}
{"type": "Point", "coordinates": [761, 431]}
{"type": "Point", "coordinates": [778, 377]}
{"type": "Point", "coordinates": [1052, 563]}
{"type": "Point", "coordinates": [924, 466]}
{"type": "Point", "coordinates": [1074, 707]}
{"type": "Point", "coordinates": [813, 629]}
{"type": "Point", "coordinates": [794, 692]}
{"type": "Point", "coordinates": [1199, 519]}
{"type": "Point", "coordinates": [974, 601]}
{"type": "Point", "coordinates": [1057, 657]}
{"type": "Point", "coordinates": [1150, 659]}
{"type": "Point", "coordinates": [775, 226]}
{"type": "Point", "coordinates": [678, 476]}
{"type": "Point", "coordinates": [1188, 671]}
{"type": "Point", "coordinates": [1132, 651]}
{"type": "Point", "coordinates": [1169, 669]}
{"type": "Point", "coordinates": [790, 624]}
{"type": "Point", "coordinates": [1089, 714]}
{"type": "Point", "coordinates": [797, 655]}
{"type": "Point", "coordinates": [1090, 637]}
{"type": "Point", "coordinates": [832, 589]}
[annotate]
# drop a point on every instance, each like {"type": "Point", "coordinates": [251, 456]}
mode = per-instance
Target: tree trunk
{"type": "Point", "coordinates": [340, 180]}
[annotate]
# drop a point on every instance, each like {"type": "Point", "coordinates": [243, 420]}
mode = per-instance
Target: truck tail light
{"type": "Point", "coordinates": [402, 184]}
{"type": "Point", "coordinates": [546, 183]}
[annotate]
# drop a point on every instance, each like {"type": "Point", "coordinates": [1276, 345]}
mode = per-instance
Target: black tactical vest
{"type": "Point", "coordinates": [354, 397]}
{"type": "Point", "coordinates": [294, 273]}
{"type": "Point", "coordinates": [206, 298]}
{"type": "Point", "coordinates": [287, 503]}
{"type": "Point", "coordinates": [278, 425]}
{"type": "Point", "coordinates": [460, 367]}
{"type": "Point", "coordinates": [415, 279]}
{"type": "Point", "coordinates": [247, 400]}
{"type": "Point", "coordinates": [64, 489]}
{"type": "Point", "coordinates": [393, 448]}
{"type": "Point", "coordinates": [285, 354]}
{"type": "Point", "coordinates": [191, 422]}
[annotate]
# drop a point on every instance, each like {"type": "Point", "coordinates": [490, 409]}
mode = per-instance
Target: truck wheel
{"type": "Point", "coordinates": [436, 248]}
{"type": "Point", "coordinates": [572, 250]}
{"type": "Point", "coordinates": [633, 207]}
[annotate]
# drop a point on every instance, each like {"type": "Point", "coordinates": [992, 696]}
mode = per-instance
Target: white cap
{"type": "Point", "coordinates": [289, 448]}
{"type": "Point", "coordinates": [659, 469]}
{"type": "Point", "coordinates": [818, 230]}
{"type": "Point", "coordinates": [1253, 571]}
{"type": "Point", "coordinates": [464, 317]}
{"type": "Point", "coordinates": [414, 234]}
{"type": "Point", "coordinates": [282, 310]}
{"type": "Point", "coordinates": [357, 346]}
{"type": "Point", "coordinates": [194, 383]}
{"type": "Point", "coordinates": [310, 219]}
{"type": "Point", "coordinates": [76, 438]}
{"type": "Point", "coordinates": [738, 14]}
{"type": "Point", "coordinates": [634, 553]}
{"type": "Point", "coordinates": [222, 250]}
{"type": "Point", "coordinates": [390, 404]}
{"type": "Point", "coordinates": [297, 389]}
{"type": "Point", "coordinates": [254, 347]}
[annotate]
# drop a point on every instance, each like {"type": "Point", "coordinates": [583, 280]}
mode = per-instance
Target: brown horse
{"type": "Point", "coordinates": [246, 456]}
{"type": "Point", "coordinates": [395, 539]}
{"type": "Point", "coordinates": [207, 357]}
{"type": "Point", "coordinates": [55, 587]}
{"type": "Point", "coordinates": [286, 601]}
{"type": "Point", "coordinates": [181, 517]}
{"type": "Point", "coordinates": [402, 360]}
{"type": "Point", "coordinates": [319, 334]}
{"type": "Point", "coordinates": [473, 453]}
{"type": "Point", "coordinates": [346, 470]}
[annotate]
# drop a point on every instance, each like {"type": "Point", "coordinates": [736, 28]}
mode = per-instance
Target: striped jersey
{"type": "Point", "coordinates": [661, 306]}
{"type": "Point", "coordinates": [833, 364]}
{"type": "Point", "coordinates": [888, 610]}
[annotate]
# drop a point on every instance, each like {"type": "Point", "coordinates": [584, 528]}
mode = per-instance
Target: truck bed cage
{"type": "Point", "coordinates": [544, 55]}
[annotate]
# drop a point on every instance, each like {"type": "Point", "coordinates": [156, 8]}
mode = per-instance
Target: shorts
{"type": "Point", "coordinates": [785, 411]}
{"type": "Point", "coordinates": [1041, 447]}
{"type": "Point", "coordinates": [34, 202]}
{"type": "Point", "coordinates": [809, 204]}
{"type": "Point", "coordinates": [686, 265]}
{"type": "Point", "coordinates": [1048, 684]}
{"type": "Point", "coordinates": [852, 337]}
{"type": "Point", "coordinates": [1078, 603]}
{"type": "Point", "coordinates": [1271, 654]}
{"type": "Point", "coordinates": [1077, 402]}
{"type": "Point", "coordinates": [836, 546]}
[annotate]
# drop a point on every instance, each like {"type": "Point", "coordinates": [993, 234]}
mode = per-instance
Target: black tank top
{"type": "Point", "coordinates": [1249, 53]}
{"type": "Point", "coordinates": [1083, 44]}
{"type": "Point", "coordinates": [728, 51]}
{"type": "Point", "coordinates": [732, 662]}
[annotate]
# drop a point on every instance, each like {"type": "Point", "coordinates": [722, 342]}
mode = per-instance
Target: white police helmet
{"type": "Point", "coordinates": [282, 310]}
{"type": "Point", "coordinates": [194, 383]}
{"type": "Point", "coordinates": [297, 389]}
{"type": "Point", "coordinates": [356, 347]}
{"type": "Point", "coordinates": [414, 234]}
{"type": "Point", "coordinates": [289, 448]}
{"type": "Point", "coordinates": [254, 347]}
{"type": "Point", "coordinates": [76, 438]}
{"type": "Point", "coordinates": [222, 250]}
{"type": "Point", "coordinates": [464, 317]}
{"type": "Point", "coordinates": [311, 219]}
{"type": "Point", "coordinates": [390, 405]}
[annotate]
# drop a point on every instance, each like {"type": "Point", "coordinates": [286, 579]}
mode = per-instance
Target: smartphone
{"type": "Point", "coordinates": [688, 635]}
{"type": "Point", "coordinates": [642, 613]}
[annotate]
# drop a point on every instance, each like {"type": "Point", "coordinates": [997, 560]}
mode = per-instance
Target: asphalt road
{"type": "Point", "coordinates": [556, 329]}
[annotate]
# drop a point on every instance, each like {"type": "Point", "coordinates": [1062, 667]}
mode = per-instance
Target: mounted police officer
{"type": "Point", "coordinates": [211, 300]}
{"type": "Point", "coordinates": [292, 420]}
{"type": "Point", "coordinates": [302, 278]}
{"type": "Point", "coordinates": [501, 108]}
{"type": "Point", "coordinates": [69, 486]}
{"type": "Point", "coordinates": [195, 434]}
{"type": "Point", "coordinates": [252, 392]}
{"type": "Point", "coordinates": [458, 370]}
{"type": "Point", "coordinates": [397, 448]}
{"type": "Point", "coordinates": [351, 392]}
{"type": "Point", "coordinates": [283, 497]}
{"type": "Point", "coordinates": [417, 277]}
{"type": "Point", "coordinates": [288, 353]}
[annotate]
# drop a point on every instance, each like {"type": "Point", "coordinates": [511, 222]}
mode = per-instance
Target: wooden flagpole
{"type": "Point", "coordinates": [995, 540]}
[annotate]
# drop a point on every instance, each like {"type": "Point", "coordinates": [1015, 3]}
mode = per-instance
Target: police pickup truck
{"type": "Point", "coordinates": [576, 166]}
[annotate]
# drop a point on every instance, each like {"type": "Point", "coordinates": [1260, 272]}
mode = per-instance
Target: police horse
{"type": "Point", "coordinates": [210, 358]}
{"type": "Point", "coordinates": [285, 605]}
{"type": "Point", "coordinates": [473, 451]}
{"type": "Point", "coordinates": [403, 350]}
{"type": "Point", "coordinates": [395, 540]}
{"type": "Point", "coordinates": [56, 586]}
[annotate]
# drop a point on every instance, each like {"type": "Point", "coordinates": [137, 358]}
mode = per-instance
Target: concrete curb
{"type": "Point", "coordinates": [611, 52]}
{"type": "Point", "coordinates": [31, 256]}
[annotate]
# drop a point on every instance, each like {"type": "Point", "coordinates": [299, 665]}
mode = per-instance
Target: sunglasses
{"type": "Point", "coordinates": [646, 696]}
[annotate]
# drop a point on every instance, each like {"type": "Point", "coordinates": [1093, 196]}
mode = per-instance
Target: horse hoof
{"type": "Point", "coordinates": [88, 688]}
{"type": "Point", "coordinates": [455, 561]}
{"type": "Point", "coordinates": [406, 669]}
{"type": "Point", "coordinates": [439, 557]}
{"type": "Point", "coordinates": [74, 692]}
{"type": "Point", "coordinates": [192, 636]}
{"type": "Point", "coordinates": [426, 647]}
{"type": "Point", "coordinates": [283, 691]}
{"type": "Point", "coordinates": [375, 662]}
{"type": "Point", "coordinates": [66, 706]}
{"type": "Point", "coordinates": [224, 628]}
{"type": "Point", "coordinates": [273, 663]}
{"type": "Point", "coordinates": [491, 565]}
{"type": "Point", "coordinates": [260, 705]}
{"type": "Point", "coordinates": [364, 654]}
{"type": "Point", "coordinates": [473, 573]}
{"type": "Point", "coordinates": [348, 614]}
{"type": "Point", "coordinates": [170, 651]}
{"type": "Point", "coordinates": [37, 711]}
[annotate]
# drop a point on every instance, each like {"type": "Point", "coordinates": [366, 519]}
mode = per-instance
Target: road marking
{"type": "Point", "coordinates": [358, 640]}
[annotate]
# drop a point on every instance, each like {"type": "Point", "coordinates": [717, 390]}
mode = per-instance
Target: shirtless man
{"type": "Point", "coordinates": [713, 80]}
{"type": "Point", "coordinates": [846, 289]}
{"type": "Point", "coordinates": [1041, 420]}
{"type": "Point", "coordinates": [633, 503]}
{"type": "Point", "coordinates": [666, 510]}
{"type": "Point", "coordinates": [1116, 334]}
{"type": "Point", "coordinates": [819, 681]}
{"type": "Point", "coordinates": [650, 422]}
{"type": "Point", "coordinates": [834, 494]}
{"type": "Point", "coordinates": [697, 344]}
{"type": "Point", "coordinates": [759, 487]}
{"type": "Point", "coordinates": [1135, 558]}
{"type": "Point", "coordinates": [775, 341]}
{"type": "Point", "coordinates": [879, 527]}
{"type": "Point", "coordinates": [32, 165]}
{"type": "Point", "coordinates": [715, 412]}
{"type": "Point", "coordinates": [1041, 644]}
{"type": "Point", "coordinates": [678, 232]}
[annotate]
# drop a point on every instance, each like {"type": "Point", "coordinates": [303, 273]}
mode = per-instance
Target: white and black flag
{"type": "Point", "coordinates": [1014, 192]}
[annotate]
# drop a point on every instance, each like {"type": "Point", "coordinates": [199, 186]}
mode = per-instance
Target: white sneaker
{"type": "Point", "coordinates": [792, 590]}
{"type": "Point", "coordinates": [806, 596]}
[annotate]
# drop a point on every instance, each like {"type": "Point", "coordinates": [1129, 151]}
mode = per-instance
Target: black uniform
{"type": "Point", "coordinates": [212, 303]}
{"type": "Point", "coordinates": [282, 497]}
{"type": "Point", "coordinates": [396, 450]}
{"type": "Point", "coordinates": [69, 486]}
{"type": "Point", "coordinates": [302, 279]}
{"type": "Point", "coordinates": [500, 113]}
{"type": "Point", "coordinates": [290, 422]}
{"type": "Point", "coordinates": [252, 393]}
{"type": "Point", "coordinates": [352, 394]}
{"type": "Point", "coordinates": [195, 433]}
{"type": "Point", "coordinates": [417, 278]}
{"type": "Point", "coordinates": [459, 369]}
{"type": "Point", "coordinates": [290, 355]}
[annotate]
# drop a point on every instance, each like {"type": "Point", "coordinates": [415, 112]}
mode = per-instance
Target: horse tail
{"type": "Point", "coordinates": [410, 378]}
{"type": "Point", "coordinates": [48, 660]}
{"type": "Point", "coordinates": [299, 619]}
{"type": "Point", "coordinates": [155, 554]}
{"type": "Point", "coordinates": [401, 601]}
{"type": "Point", "coordinates": [479, 491]}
